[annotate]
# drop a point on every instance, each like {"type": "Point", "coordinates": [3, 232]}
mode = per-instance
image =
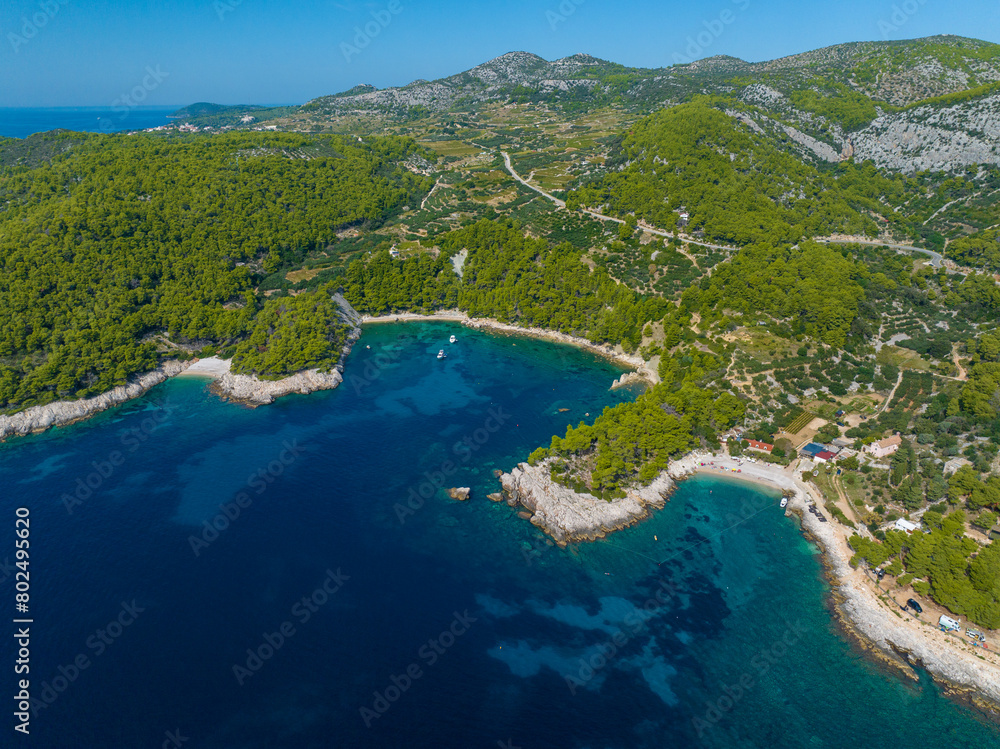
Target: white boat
{"type": "Point", "coordinates": [784, 501]}
{"type": "Point", "coordinates": [441, 354]}
{"type": "Point", "coordinates": [452, 339]}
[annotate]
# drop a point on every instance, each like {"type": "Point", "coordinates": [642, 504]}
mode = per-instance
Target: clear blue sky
{"type": "Point", "coordinates": [91, 52]}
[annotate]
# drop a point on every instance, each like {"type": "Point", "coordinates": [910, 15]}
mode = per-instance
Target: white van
{"type": "Point", "coordinates": [948, 624]}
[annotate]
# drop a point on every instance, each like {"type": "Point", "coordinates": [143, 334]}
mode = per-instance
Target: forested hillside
{"type": "Point", "coordinates": [980, 250]}
{"type": "Point", "coordinates": [507, 276]}
{"type": "Point", "coordinates": [816, 286]}
{"type": "Point", "coordinates": [120, 238]}
{"type": "Point", "coordinates": [736, 185]}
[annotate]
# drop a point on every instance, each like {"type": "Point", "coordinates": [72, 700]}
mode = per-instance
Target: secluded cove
{"type": "Point", "coordinates": [277, 498]}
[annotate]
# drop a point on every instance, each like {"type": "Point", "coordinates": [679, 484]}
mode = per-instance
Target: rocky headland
{"type": "Point", "coordinates": [247, 389]}
{"type": "Point", "coordinates": [40, 418]}
{"type": "Point", "coordinates": [250, 390]}
{"type": "Point", "coordinates": [867, 612]}
{"type": "Point", "coordinates": [570, 516]}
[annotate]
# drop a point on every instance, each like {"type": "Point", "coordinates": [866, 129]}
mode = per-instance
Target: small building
{"type": "Point", "coordinates": [760, 446]}
{"type": "Point", "coordinates": [812, 449]}
{"type": "Point", "coordinates": [995, 534]}
{"type": "Point", "coordinates": [954, 464]}
{"type": "Point", "coordinates": [823, 457]}
{"type": "Point", "coordinates": [885, 447]}
{"type": "Point", "coordinates": [906, 526]}
{"type": "Point", "coordinates": [843, 442]}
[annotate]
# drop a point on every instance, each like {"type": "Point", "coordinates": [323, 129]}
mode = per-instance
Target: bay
{"type": "Point", "coordinates": [296, 576]}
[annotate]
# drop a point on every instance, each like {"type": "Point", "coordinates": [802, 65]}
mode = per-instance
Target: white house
{"type": "Point", "coordinates": [906, 526]}
{"type": "Point", "coordinates": [884, 447]}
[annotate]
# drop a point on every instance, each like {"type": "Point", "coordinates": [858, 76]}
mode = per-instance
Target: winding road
{"type": "Point", "coordinates": [602, 217]}
{"type": "Point", "coordinates": [937, 261]}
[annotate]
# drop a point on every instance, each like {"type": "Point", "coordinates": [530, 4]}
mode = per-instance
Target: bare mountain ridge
{"type": "Point", "coordinates": [873, 100]}
{"type": "Point", "coordinates": [897, 72]}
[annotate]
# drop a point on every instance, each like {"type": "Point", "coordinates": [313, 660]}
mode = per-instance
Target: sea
{"type": "Point", "coordinates": [202, 574]}
{"type": "Point", "coordinates": [20, 122]}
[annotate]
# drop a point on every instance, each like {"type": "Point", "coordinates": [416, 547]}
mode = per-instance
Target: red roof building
{"type": "Point", "coordinates": [762, 446]}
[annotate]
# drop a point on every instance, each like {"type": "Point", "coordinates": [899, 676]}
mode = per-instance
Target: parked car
{"type": "Point", "coordinates": [910, 603]}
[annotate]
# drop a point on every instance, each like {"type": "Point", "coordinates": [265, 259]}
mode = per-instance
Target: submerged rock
{"type": "Point", "coordinates": [495, 497]}
{"type": "Point", "coordinates": [569, 516]}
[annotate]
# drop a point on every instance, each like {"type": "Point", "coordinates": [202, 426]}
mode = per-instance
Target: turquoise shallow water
{"type": "Point", "coordinates": [426, 622]}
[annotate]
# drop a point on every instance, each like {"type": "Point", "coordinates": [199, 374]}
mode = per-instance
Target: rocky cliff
{"type": "Point", "coordinates": [933, 137]}
{"type": "Point", "coordinates": [570, 516]}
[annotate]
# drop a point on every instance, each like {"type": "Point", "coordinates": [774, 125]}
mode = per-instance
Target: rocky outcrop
{"type": "Point", "coordinates": [933, 137]}
{"type": "Point", "coordinates": [570, 516]}
{"type": "Point", "coordinates": [629, 378]}
{"type": "Point", "coordinates": [461, 494]}
{"type": "Point", "coordinates": [252, 391]}
{"type": "Point", "coordinates": [40, 418]}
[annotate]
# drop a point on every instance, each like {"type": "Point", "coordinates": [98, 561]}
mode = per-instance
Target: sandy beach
{"type": "Point", "coordinates": [867, 611]}
{"type": "Point", "coordinates": [211, 366]}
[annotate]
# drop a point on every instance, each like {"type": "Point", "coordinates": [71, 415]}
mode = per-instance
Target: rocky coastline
{"type": "Point", "coordinates": [252, 391]}
{"type": "Point", "coordinates": [61, 413]}
{"type": "Point", "coordinates": [864, 614]}
{"type": "Point", "coordinates": [246, 389]}
{"type": "Point", "coordinates": [568, 516]}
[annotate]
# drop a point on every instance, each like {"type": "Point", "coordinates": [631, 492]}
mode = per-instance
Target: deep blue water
{"type": "Point", "coordinates": [454, 623]}
{"type": "Point", "coordinates": [20, 122]}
